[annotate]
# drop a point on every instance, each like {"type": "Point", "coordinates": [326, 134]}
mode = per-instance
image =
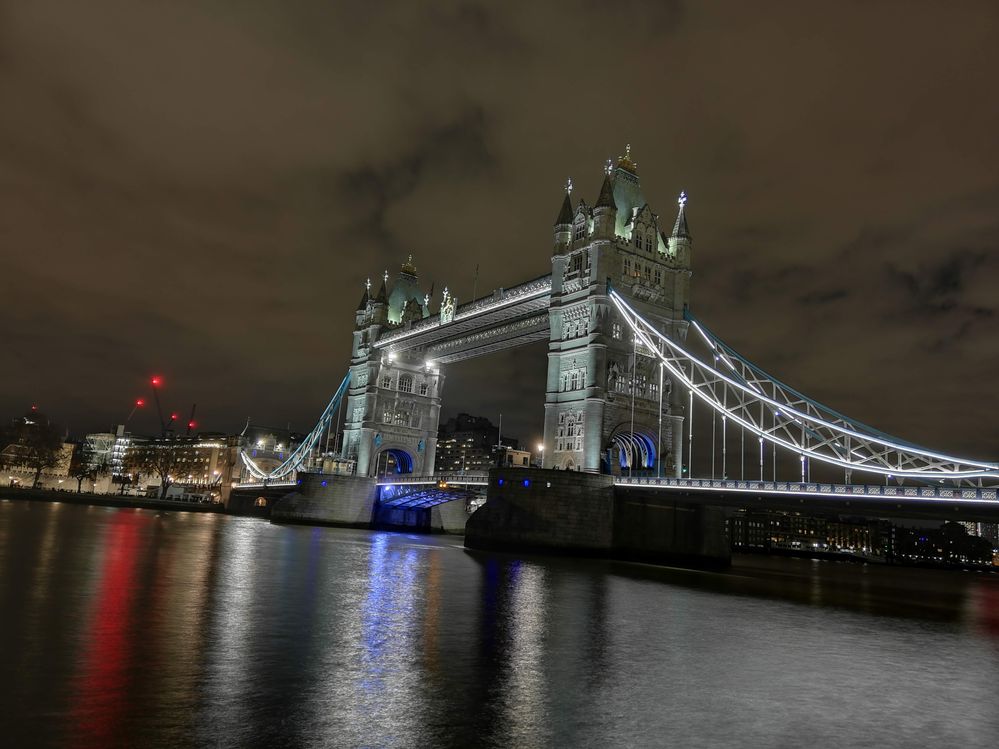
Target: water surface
{"type": "Point", "coordinates": [136, 628]}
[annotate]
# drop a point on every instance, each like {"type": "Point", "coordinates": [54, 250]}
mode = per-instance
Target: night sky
{"type": "Point", "coordinates": [199, 189]}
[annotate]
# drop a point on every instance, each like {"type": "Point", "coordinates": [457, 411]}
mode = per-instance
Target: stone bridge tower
{"type": "Point", "coordinates": [394, 400]}
{"type": "Point", "coordinates": [608, 405]}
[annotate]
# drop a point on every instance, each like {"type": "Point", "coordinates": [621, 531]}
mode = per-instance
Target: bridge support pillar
{"type": "Point", "coordinates": [578, 513]}
{"type": "Point", "coordinates": [324, 499]}
{"type": "Point", "coordinates": [677, 446]}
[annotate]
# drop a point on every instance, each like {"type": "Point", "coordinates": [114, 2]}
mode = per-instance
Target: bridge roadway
{"type": "Point", "coordinates": [925, 502]}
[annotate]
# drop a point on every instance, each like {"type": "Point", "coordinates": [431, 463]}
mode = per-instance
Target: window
{"type": "Point", "coordinates": [638, 240]}
{"type": "Point", "coordinates": [616, 331]}
{"type": "Point", "coordinates": [406, 384]}
{"type": "Point", "coordinates": [580, 231]}
{"type": "Point", "coordinates": [424, 388]}
{"type": "Point", "coordinates": [648, 272]}
{"type": "Point", "coordinates": [648, 242]}
{"type": "Point", "coordinates": [659, 275]}
{"type": "Point", "coordinates": [387, 382]}
{"type": "Point", "coordinates": [627, 266]}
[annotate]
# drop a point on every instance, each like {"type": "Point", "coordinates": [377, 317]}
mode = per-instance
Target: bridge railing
{"type": "Point", "coordinates": [473, 478]}
{"type": "Point", "coordinates": [839, 491]}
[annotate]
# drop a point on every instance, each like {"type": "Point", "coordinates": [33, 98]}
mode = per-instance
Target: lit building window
{"type": "Point", "coordinates": [406, 384]}
{"type": "Point", "coordinates": [424, 388]}
{"type": "Point", "coordinates": [387, 383]}
{"type": "Point", "coordinates": [616, 330]}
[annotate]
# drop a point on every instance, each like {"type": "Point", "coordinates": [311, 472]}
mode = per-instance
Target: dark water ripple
{"type": "Point", "coordinates": [137, 628]}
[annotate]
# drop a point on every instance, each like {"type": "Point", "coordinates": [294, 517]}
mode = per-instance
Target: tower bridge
{"type": "Point", "coordinates": [629, 368]}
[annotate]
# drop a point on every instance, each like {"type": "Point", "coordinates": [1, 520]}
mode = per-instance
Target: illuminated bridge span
{"type": "Point", "coordinates": [637, 386]}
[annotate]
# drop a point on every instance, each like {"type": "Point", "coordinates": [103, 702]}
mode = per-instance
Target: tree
{"type": "Point", "coordinates": [33, 442]}
{"type": "Point", "coordinates": [159, 457]}
{"type": "Point", "coordinates": [87, 465]}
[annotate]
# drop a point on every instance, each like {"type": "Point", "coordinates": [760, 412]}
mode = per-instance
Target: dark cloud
{"type": "Point", "coordinates": [201, 189]}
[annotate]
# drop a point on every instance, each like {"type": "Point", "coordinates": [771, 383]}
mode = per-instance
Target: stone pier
{"type": "Point", "coordinates": [330, 500]}
{"type": "Point", "coordinates": [579, 513]}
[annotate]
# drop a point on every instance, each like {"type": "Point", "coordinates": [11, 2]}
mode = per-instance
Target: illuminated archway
{"type": "Point", "coordinates": [637, 450]}
{"type": "Point", "coordinates": [394, 460]}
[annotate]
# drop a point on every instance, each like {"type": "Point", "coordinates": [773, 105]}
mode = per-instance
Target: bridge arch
{"type": "Point", "coordinates": [637, 450]}
{"type": "Point", "coordinates": [393, 460]}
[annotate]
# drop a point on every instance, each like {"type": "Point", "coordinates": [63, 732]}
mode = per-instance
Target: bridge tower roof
{"type": "Point", "coordinates": [680, 229]}
{"type": "Point", "coordinates": [565, 212]}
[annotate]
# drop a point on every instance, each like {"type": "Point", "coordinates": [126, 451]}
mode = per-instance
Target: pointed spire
{"type": "Point", "coordinates": [680, 229]}
{"type": "Point", "coordinates": [364, 301]}
{"type": "Point", "coordinates": [606, 199]}
{"type": "Point", "coordinates": [382, 292]}
{"type": "Point", "coordinates": [565, 213]}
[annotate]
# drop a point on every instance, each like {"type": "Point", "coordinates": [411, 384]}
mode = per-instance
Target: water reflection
{"type": "Point", "coordinates": [133, 628]}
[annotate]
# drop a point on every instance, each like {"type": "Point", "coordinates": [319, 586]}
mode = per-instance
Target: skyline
{"type": "Point", "coordinates": [881, 166]}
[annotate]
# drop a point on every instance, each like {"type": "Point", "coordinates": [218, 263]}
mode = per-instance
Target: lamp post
{"type": "Point", "coordinates": [541, 455]}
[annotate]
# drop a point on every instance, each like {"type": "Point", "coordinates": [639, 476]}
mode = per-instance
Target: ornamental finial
{"type": "Point", "coordinates": [626, 162]}
{"type": "Point", "coordinates": [385, 276]}
{"type": "Point", "coordinates": [568, 186]}
{"type": "Point", "coordinates": [682, 200]}
{"type": "Point", "coordinates": [609, 167]}
{"type": "Point", "coordinates": [367, 285]}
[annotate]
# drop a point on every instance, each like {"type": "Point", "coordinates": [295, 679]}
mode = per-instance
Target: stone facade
{"type": "Point", "coordinates": [393, 404]}
{"type": "Point", "coordinates": [594, 364]}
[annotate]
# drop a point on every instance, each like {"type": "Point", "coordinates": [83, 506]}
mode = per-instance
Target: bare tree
{"type": "Point", "coordinates": [87, 465]}
{"type": "Point", "coordinates": [33, 442]}
{"type": "Point", "coordinates": [160, 458]}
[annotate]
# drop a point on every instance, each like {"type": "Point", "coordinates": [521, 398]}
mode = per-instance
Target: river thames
{"type": "Point", "coordinates": [139, 628]}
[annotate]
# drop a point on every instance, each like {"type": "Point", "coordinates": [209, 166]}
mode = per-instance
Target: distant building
{"type": "Point", "coordinates": [189, 462]}
{"type": "Point", "coordinates": [469, 443]}
{"type": "Point", "coordinates": [510, 458]}
{"type": "Point", "coordinates": [772, 530]}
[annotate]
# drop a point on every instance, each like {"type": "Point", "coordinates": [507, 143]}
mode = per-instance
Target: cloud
{"type": "Point", "coordinates": [204, 187]}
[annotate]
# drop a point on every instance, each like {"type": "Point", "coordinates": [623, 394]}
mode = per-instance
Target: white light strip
{"type": "Point", "coordinates": [294, 461]}
{"type": "Point", "coordinates": [631, 316]}
{"type": "Point", "coordinates": [632, 484]}
{"type": "Point", "coordinates": [514, 298]}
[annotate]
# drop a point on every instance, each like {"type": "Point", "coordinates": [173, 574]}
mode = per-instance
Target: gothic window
{"type": "Point", "coordinates": [638, 240]}
{"type": "Point", "coordinates": [616, 331]}
{"type": "Point", "coordinates": [424, 388]}
{"type": "Point", "coordinates": [648, 243]}
{"type": "Point", "coordinates": [406, 384]}
{"type": "Point", "coordinates": [648, 272]}
{"type": "Point", "coordinates": [659, 275]}
{"type": "Point", "coordinates": [627, 266]}
{"type": "Point", "coordinates": [580, 231]}
{"type": "Point", "coordinates": [387, 382]}
{"type": "Point", "coordinates": [569, 435]}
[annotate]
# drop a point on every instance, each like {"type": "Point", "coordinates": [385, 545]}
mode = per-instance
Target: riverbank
{"type": "Point", "coordinates": [106, 500]}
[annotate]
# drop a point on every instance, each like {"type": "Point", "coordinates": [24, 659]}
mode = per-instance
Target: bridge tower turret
{"type": "Point", "coordinates": [608, 406]}
{"type": "Point", "coordinates": [563, 222]}
{"type": "Point", "coordinates": [393, 404]}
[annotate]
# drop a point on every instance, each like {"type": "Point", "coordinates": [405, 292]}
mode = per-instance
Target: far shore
{"type": "Point", "coordinates": [106, 500]}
